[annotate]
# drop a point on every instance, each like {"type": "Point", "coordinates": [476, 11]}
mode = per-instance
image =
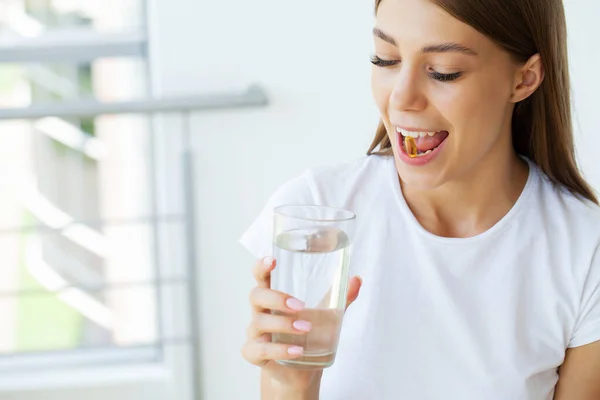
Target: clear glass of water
{"type": "Point", "coordinates": [312, 247]}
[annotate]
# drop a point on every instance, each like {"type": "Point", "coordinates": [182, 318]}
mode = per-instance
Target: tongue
{"type": "Point", "coordinates": [430, 142]}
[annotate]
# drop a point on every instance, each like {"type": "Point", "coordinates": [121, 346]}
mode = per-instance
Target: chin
{"type": "Point", "coordinates": [420, 178]}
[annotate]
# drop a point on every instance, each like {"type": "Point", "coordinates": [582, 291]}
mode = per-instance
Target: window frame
{"type": "Point", "coordinates": [80, 367]}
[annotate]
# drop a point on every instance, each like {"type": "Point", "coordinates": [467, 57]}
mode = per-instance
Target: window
{"type": "Point", "coordinates": [33, 18]}
{"type": "Point", "coordinates": [78, 217]}
{"type": "Point", "coordinates": [96, 212]}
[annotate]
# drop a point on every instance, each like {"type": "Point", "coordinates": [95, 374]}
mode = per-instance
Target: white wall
{"type": "Point", "coordinates": [312, 57]}
{"type": "Point", "coordinates": [584, 31]}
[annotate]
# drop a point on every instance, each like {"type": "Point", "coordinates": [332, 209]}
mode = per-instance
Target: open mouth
{"type": "Point", "coordinates": [419, 144]}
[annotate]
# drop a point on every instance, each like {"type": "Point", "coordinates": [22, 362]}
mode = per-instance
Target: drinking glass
{"type": "Point", "coordinates": [312, 246]}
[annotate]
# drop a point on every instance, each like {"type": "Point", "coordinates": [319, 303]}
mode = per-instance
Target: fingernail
{"type": "Point", "coordinates": [268, 262]}
{"type": "Point", "coordinates": [295, 304]}
{"type": "Point", "coordinates": [295, 351]}
{"type": "Point", "coordinates": [303, 326]}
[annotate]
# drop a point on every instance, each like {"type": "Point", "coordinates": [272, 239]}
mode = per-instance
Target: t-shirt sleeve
{"type": "Point", "coordinates": [587, 329]}
{"type": "Point", "coordinates": [257, 239]}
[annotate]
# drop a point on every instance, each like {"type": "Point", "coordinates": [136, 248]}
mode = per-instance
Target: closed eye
{"type": "Point", "coordinates": [445, 77]}
{"type": "Point", "coordinates": [376, 60]}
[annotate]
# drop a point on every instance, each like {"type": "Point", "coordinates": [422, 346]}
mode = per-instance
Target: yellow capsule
{"type": "Point", "coordinates": [411, 146]}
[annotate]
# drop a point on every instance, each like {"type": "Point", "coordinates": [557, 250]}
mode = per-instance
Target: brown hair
{"type": "Point", "coordinates": [541, 126]}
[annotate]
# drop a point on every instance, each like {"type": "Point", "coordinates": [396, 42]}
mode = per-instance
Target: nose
{"type": "Point", "coordinates": [408, 94]}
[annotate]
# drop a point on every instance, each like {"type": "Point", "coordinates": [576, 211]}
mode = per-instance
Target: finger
{"type": "Point", "coordinates": [261, 352]}
{"type": "Point", "coordinates": [324, 241]}
{"type": "Point", "coordinates": [354, 286]}
{"type": "Point", "coordinates": [262, 271]}
{"type": "Point", "coordinates": [269, 323]}
{"type": "Point", "coordinates": [267, 299]}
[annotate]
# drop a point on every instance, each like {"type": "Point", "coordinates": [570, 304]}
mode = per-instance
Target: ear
{"type": "Point", "coordinates": [528, 78]}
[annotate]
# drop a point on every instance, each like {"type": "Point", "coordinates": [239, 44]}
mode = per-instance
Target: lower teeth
{"type": "Point", "coordinates": [419, 154]}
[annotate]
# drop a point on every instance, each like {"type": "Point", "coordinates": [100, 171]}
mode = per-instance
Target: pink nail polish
{"type": "Point", "coordinates": [295, 351]}
{"type": "Point", "coordinates": [268, 262]}
{"type": "Point", "coordinates": [295, 304]}
{"type": "Point", "coordinates": [303, 326]}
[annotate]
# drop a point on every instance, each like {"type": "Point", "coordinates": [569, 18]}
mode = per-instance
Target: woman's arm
{"type": "Point", "coordinates": [579, 376]}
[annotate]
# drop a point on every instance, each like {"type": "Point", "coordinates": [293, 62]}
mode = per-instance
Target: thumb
{"type": "Point", "coordinates": [354, 286]}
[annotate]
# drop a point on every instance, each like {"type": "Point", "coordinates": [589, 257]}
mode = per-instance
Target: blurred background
{"type": "Point", "coordinates": [138, 139]}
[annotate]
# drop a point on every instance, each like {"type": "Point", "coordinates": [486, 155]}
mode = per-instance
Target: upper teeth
{"type": "Point", "coordinates": [414, 134]}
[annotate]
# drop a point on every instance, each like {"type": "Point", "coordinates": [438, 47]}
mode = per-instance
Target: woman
{"type": "Point", "coordinates": [480, 256]}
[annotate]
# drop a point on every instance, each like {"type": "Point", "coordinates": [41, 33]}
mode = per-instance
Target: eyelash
{"type": "Point", "coordinates": [383, 63]}
{"type": "Point", "coordinates": [433, 74]}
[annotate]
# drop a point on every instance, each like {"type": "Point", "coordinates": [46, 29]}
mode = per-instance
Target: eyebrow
{"type": "Point", "coordinates": [384, 36]}
{"type": "Point", "coordinates": [434, 48]}
{"type": "Point", "coordinates": [449, 48]}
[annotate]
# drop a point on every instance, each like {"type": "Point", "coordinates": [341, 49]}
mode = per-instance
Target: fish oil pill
{"type": "Point", "coordinates": [411, 146]}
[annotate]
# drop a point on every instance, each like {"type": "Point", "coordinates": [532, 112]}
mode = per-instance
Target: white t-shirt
{"type": "Point", "coordinates": [482, 318]}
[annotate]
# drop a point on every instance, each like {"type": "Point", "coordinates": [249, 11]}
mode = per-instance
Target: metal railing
{"type": "Point", "coordinates": [253, 97]}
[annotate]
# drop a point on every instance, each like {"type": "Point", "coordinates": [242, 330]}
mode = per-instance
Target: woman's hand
{"type": "Point", "coordinates": [259, 350]}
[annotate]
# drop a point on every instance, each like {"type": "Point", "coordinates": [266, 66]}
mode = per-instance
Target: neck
{"type": "Point", "coordinates": [474, 202]}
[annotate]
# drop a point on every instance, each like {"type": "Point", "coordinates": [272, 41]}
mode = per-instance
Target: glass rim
{"type": "Point", "coordinates": [280, 210]}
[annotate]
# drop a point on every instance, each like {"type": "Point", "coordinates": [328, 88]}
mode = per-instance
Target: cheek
{"type": "Point", "coordinates": [381, 90]}
{"type": "Point", "coordinates": [474, 108]}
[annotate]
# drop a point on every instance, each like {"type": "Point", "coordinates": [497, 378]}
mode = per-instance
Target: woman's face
{"type": "Point", "coordinates": [439, 79]}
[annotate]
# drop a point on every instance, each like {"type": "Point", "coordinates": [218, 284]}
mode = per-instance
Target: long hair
{"type": "Point", "coordinates": [542, 128]}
